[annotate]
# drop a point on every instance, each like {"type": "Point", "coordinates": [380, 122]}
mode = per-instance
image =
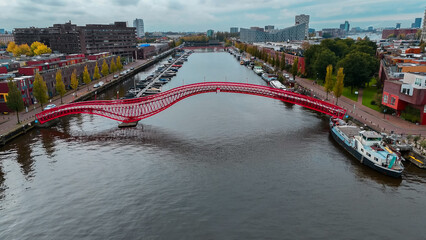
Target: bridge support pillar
{"type": "Point", "coordinates": [127, 125]}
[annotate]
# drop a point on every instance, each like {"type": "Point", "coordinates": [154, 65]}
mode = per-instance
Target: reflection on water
{"type": "Point", "coordinates": [48, 142]}
{"type": "Point", "coordinates": [364, 173]}
{"type": "Point", "coordinates": [25, 159]}
{"type": "Point", "coordinates": [2, 187]}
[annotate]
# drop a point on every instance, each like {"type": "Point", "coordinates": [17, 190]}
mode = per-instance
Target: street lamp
{"type": "Point", "coordinates": [384, 111]}
{"type": "Point", "coordinates": [96, 93]}
{"type": "Point", "coordinates": [117, 94]}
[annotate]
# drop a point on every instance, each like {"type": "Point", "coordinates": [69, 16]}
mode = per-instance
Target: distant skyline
{"type": "Point", "coordinates": [219, 15]}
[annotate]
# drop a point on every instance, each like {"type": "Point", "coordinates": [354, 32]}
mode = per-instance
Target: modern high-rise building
{"type": "Point", "coordinates": [398, 25]}
{"type": "Point", "coordinates": [63, 38]}
{"type": "Point", "coordinates": [210, 33]}
{"type": "Point", "coordinates": [233, 30]}
{"type": "Point", "coordinates": [302, 18]}
{"type": "Point", "coordinates": [417, 23]}
{"type": "Point", "coordinates": [345, 26]}
{"type": "Point", "coordinates": [115, 38]}
{"type": "Point", "coordinates": [1, 31]}
{"type": "Point", "coordinates": [269, 28]}
{"type": "Point", "coordinates": [424, 28]}
{"type": "Point", "coordinates": [278, 35]}
{"type": "Point", "coordinates": [138, 24]}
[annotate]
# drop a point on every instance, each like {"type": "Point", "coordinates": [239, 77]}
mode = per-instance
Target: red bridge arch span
{"type": "Point", "coordinates": [131, 110]}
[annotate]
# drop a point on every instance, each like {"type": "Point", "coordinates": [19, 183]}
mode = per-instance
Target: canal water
{"type": "Point", "coordinates": [213, 166]}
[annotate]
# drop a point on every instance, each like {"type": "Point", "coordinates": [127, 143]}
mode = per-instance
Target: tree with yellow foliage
{"type": "Point", "coordinates": [119, 65]}
{"type": "Point", "coordinates": [60, 86]}
{"type": "Point", "coordinates": [22, 49]}
{"type": "Point", "coordinates": [105, 70]}
{"type": "Point", "coordinates": [42, 49]}
{"type": "Point", "coordinates": [329, 84]}
{"type": "Point", "coordinates": [112, 66]}
{"type": "Point", "coordinates": [96, 74]}
{"type": "Point", "coordinates": [40, 89]}
{"type": "Point", "coordinates": [86, 77]}
{"type": "Point", "coordinates": [11, 46]}
{"type": "Point", "coordinates": [74, 81]}
{"type": "Point", "coordinates": [338, 87]}
{"type": "Point", "coordinates": [39, 48]}
{"type": "Point", "coordinates": [35, 45]}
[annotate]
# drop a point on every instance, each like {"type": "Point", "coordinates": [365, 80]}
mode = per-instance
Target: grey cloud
{"type": "Point", "coordinates": [126, 2]}
{"type": "Point", "coordinates": [175, 6]}
{"type": "Point", "coordinates": [57, 3]}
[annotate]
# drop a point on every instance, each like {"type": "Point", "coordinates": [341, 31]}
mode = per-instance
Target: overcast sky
{"type": "Point", "coordinates": [219, 15]}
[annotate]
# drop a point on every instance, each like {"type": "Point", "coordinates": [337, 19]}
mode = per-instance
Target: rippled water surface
{"type": "Point", "coordinates": [213, 166]}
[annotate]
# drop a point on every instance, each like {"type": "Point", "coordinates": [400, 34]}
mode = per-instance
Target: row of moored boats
{"type": "Point", "coordinates": [368, 147]}
{"type": "Point", "coordinates": [162, 75]}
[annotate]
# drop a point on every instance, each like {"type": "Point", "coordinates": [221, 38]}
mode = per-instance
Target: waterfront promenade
{"type": "Point", "coordinates": [8, 123]}
{"type": "Point", "coordinates": [376, 120]}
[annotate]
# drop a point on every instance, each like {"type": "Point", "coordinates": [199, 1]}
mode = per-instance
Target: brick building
{"type": "Point", "coordinates": [69, 38]}
{"type": "Point", "coordinates": [116, 38]}
{"type": "Point", "coordinates": [396, 32]}
{"type": "Point", "coordinates": [63, 38]}
{"type": "Point", "coordinates": [409, 92]}
{"type": "Point", "coordinates": [47, 67]}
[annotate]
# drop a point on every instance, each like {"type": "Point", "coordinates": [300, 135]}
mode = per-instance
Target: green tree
{"type": "Point", "coordinates": [277, 62]}
{"type": "Point", "coordinates": [364, 46]}
{"type": "Point", "coordinates": [119, 65]}
{"type": "Point", "coordinates": [105, 70]}
{"type": "Point", "coordinates": [86, 77]}
{"type": "Point", "coordinates": [338, 87]}
{"type": "Point", "coordinates": [328, 86]}
{"type": "Point", "coordinates": [294, 68]}
{"type": "Point", "coordinates": [112, 67]}
{"type": "Point", "coordinates": [40, 89]}
{"type": "Point", "coordinates": [60, 86]}
{"type": "Point", "coordinates": [324, 58]}
{"type": "Point", "coordinates": [74, 81]}
{"type": "Point", "coordinates": [14, 98]}
{"type": "Point", "coordinates": [359, 68]}
{"type": "Point", "coordinates": [96, 74]}
{"type": "Point", "coordinates": [282, 62]}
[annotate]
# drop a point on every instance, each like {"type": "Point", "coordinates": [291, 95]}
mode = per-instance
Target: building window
{"type": "Point", "coordinates": [406, 91]}
{"type": "Point", "coordinates": [385, 98]}
{"type": "Point", "coordinates": [418, 82]}
{"type": "Point", "coordinates": [392, 101]}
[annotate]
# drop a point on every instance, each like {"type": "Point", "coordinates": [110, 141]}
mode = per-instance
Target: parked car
{"type": "Point", "coordinates": [50, 106]}
{"type": "Point", "coordinates": [115, 76]}
{"type": "Point", "coordinates": [100, 84]}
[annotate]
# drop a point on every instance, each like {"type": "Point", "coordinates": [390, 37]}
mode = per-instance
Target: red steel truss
{"type": "Point", "coordinates": [131, 110]}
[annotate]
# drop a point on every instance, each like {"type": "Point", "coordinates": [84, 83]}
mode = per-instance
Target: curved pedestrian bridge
{"type": "Point", "coordinates": [132, 110]}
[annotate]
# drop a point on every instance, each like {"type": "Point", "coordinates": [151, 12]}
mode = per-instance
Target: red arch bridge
{"type": "Point", "coordinates": [132, 110]}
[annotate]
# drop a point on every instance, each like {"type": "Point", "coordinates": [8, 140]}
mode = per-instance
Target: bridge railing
{"type": "Point", "coordinates": [128, 110]}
